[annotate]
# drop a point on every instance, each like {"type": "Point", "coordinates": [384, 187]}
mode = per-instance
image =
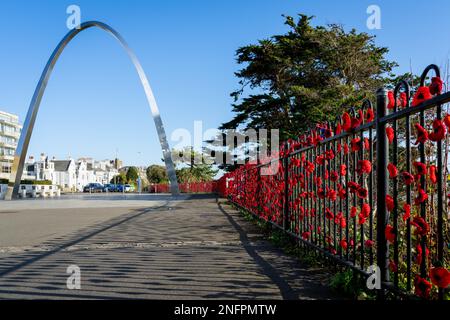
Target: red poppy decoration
{"type": "Point", "coordinates": [422, 227]}
{"type": "Point", "coordinates": [422, 287]}
{"type": "Point", "coordinates": [329, 214]}
{"type": "Point", "coordinates": [393, 266]}
{"type": "Point", "coordinates": [389, 233]}
{"type": "Point", "coordinates": [356, 144]}
{"type": "Point", "coordinates": [391, 100]}
{"type": "Point", "coordinates": [447, 120]}
{"type": "Point", "coordinates": [440, 277]}
{"type": "Point", "coordinates": [432, 174]}
{"type": "Point", "coordinates": [369, 115]}
{"type": "Point", "coordinates": [422, 94]}
{"type": "Point", "coordinates": [362, 193]}
{"type": "Point", "coordinates": [408, 178]}
{"type": "Point", "coordinates": [353, 212]}
{"type": "Point", "coordinates": [369, 243]}
{"type": "Point", "coordinates": [343, 170]}
{"type": "Point", "coordinates": [421, 168]}
{"type": "Point", "coordinates": [306, 235]}
{"type": "Point", "coordinates": [364, 166]}
{"type": "Point", "coordinates": [343, 244]}
{"type": "Point", "coordinates": [389, 203]}
{"type": "Point", "coordinates": [346, 121]}
{"type": "Point", "coordinates": [422, 134]}
{"type": "Point", "coordinates": [436, 85]}
{"type": "Point", "coordinates": [390, 134]}
{"type": "Point", "coordinates": [393, 171]}
{"type": "Point", "coordinates": [422, 196]}
{"type": "Point", "coordinates": [403, 99]}
{"type": "Point", "coordinates": [439, 131]}
{"type": "Point", "coordinates": [407, 213]}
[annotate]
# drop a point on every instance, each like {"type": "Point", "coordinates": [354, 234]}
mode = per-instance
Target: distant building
{"type": "Point", "coordinates": [9, 137]}
{"type": "Point", "coordinates": [71, 175]}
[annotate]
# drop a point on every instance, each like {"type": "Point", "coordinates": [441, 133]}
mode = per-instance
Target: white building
{"type": "Point", "coordinates": [71, 175]}
{"type": "Point", "coordinates": [9, 136]}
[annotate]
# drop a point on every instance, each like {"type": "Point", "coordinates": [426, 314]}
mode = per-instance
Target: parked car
{"type": "Point", "coordinates": [125, 188]}
{"type": "Point", "coordinates": [109, 187]}
{"type": "Point", "coordinates": [93, 187]}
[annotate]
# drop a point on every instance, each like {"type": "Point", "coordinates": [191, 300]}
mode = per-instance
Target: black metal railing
{"type": "Point", "coordinates": [348, 193]}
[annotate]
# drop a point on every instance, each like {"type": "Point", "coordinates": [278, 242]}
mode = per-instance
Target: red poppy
{"type": "Point", "coordinates": [422, 287]}
{"type": "Point", "coordinates": [422, 94]}
{"type": "Point", "coordinates": [422, 227]}
{"type": "Point", "coordinates": [353, 186]}
{"type": "Point", "coordinates": [341, 192]}
{"type": "Point", "coordinates": [407, 213]}
{"type": "Point", "coordinates": [389, 203]}
{"type": "Point", "coordinates": [343, 244]}
{"type": "Point", "coordinates": [346, 149]}
{"type": "Point", "coordinates": [447, 120]}
{"type": "Point", "coordinates": [403, 101]}
{"type": "Point", "coordinates": [362, 219]}
{"type": "Point", "coordinates": [393, 266]}
{"type": "Point", "coordinates": [393, 171]}
{"type": "Point", "coordinates": [356, 122]}
{"type": "Point", "coordinates": [365, 210]}
{"type": "Point", "coordinates": [440, 277]}
{"type": "Point", "coordinates": [338, 129]}
{"type": "Point", "coordinates": [306, 235]}
{"type": "Point", "coordinates": [432, 174]}
{"type": "Point", "coordinates": [389, 233]}
{"type": "Point", "coordinates": [369, 115]}
{"type": "Point", "coordinates": [334, 176]}
{"type": "Point", "coordinates": [390, 134]}
{"type": "Point", "coordinates": [346, 121]}
{"type": "Point", "coordinates": [408, 178]}
{"type": "Point", "coordinates": [310, 167]}
{"type": "Point", "coordinates": [366, 144]}
{"type": "Point", "coordinates": [329, 214]}
{"type": "Point", "coordinates": [421, 168]}
{"type": "Point", "coordinates": [391, 100]}
{"type": "Point", "coordinates": [420, 253]}
{"type": "Point", "coordinates": [422, 134]}
{"type": "Point", "coordinates": [368, 243]}
{"type": "Point", "coordinates": [364, 166]}
{"type": "Point", "coordinates": [422, 196]}
{"type": "Point", "coordinates": [436, 85]}
{"type": "Point", "coordinates": [439, 131]}
{"type": "Point", "coordinates": [343, 169]}
{"type": "Point", "coordinates": [318, 181]}
{"type": "Point", "coordinates": [353, 212]}
{"type": "Point", "coordinates": [295, 162]}
{"type": "Point", "coordinates": [331, 194]}
{"type": "Point", "coordinates": [356, 144]}
{"type": "Point", "coordinates": [362, 193]}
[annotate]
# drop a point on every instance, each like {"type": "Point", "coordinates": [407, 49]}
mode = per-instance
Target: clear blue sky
{"type": "Point", "coordinates": [94, 102]}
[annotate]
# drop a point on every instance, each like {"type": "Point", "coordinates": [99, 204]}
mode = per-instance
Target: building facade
{"type": "Point", "coordinates": [70, 175]}
{"type": "Point", "coordinates": [9, 136]}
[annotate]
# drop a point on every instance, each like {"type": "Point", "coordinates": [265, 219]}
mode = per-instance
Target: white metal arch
{"type": "Point", "coordinates": [22, 148]}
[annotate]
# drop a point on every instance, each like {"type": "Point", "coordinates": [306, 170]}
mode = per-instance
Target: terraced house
{"type": "Point", "coordinates": [9, 136]}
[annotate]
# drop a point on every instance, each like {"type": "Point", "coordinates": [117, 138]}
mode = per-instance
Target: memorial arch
{"type": "Point", "coordinates": [22, 147]}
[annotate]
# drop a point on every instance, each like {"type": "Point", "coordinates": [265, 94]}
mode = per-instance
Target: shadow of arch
{"type": "Point", "coordinates": [22, 147]}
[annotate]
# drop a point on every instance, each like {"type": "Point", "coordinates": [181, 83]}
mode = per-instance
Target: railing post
{"type": "Point", "coordinates": [382, 188]}
{"type": "Point", "coordinates": [286, 217]}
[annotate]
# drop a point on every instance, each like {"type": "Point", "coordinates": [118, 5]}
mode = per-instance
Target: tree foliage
{"type": "Point", "coordinates": [132, 174]}
{"type": "Point", "coordinates": [308, 75]}
{"type": "Point", "coordinates": [156, 174]}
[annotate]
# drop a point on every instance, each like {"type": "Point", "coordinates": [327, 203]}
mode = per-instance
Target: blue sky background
{"type": "Point", "coordinates": [94, 103]}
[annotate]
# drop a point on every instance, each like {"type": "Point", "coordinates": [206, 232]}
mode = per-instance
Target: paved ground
{"type": "Point", "coordinates": [154, 247]}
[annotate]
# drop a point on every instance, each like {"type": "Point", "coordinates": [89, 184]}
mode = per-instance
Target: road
{"type": "Point", "coordinates": [144, 247]}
